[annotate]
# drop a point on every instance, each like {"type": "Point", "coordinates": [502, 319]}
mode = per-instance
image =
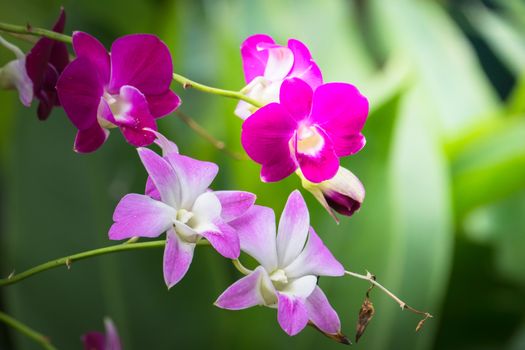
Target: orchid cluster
{"type": "Point", "coordinates": [302, 125]}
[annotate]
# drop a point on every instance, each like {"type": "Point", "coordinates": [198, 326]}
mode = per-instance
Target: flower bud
{"type": "Point", "coordinates": [343, 193]}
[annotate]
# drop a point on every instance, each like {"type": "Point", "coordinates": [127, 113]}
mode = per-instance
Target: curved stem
{"type": "Point", "coordinates": [372, 279]}
{"type": "Point", "coordinates": [28, 332]}
{"type": "Point", "coordinates": [240, 267]}
{"type": "Point", "coordinates": [187, 83]}
{"type": "Point", "coordinates": [11, 28]}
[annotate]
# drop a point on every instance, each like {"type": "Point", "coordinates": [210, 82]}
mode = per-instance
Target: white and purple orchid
{"type": "Point", "coordinates": [266, 65]}
{"type": "Point", "coordinates": [109, 340]}
{"type": "Point", "coordinates": [290, 262]}
{"type": "Point", "coordinates": [128, 89]}
{"type": "Point", "coordinates": [307, 130]}
{"type": "Point", "coordinates": [180, 204]}
{"type": "Point", "coordinates": [14, 74]}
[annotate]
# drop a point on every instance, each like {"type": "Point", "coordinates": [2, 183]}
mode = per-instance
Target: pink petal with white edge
{"type": "Point", "coordinates": [341, 111]}
{"type": "Point", "coordinates": [112, 338]}
{"type": "Point", "coordinates": [165, 145]}
{"type": "Point", "coordinates": [315, 259]}
{"type": "Point", "coordinates": [321, 313]}
{"type": "Point", "coordinates": [253, 59]}
{"type": "Point", "coordinates": [292, 314]}
{"type": "Point", "coordinates": [89, 47]}
{"type": "Point", "coordinates": [234, 203]}
{"type": "Point", "coordinates": [293, 229]}
{"type": "Point", "coordinates": [256, 231]}
{"type": "Point", "coordinates": [142, 61]}
{"type": "Point", "coordinates": [296, 96]}
{"type": "Point", "coordinates": [265, 137]}
{"type": "Point", "coordinates": [164, 104]}
{"type": "Point", "coordinates": [304, 66]}
{"type": "Point", "coordinates": [195, 177]}
{"type": "Point", "coordinates": [246, 292]}
{"type": "Point", "coordinates": [321, 163]}
{"type": "Point", "coordinates": [224, 239]}
{"type": "Point", "coordinates": [178, 255]}
{"type": "Point", "coordinates": [79, 89]}
{"type": "Point", "coordinates": [163, 177]}
{"type": "Point", "coordinates": [89, 140]}
{"type": "Point", "coordinates": [151, 190]}
{"type": "Point", "coordinates": [138, 215]}
{"type": "Point", "coordinates": [280, 61]}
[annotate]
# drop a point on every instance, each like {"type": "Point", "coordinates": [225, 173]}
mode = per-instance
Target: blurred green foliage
{"type": "Point", "coordinates": [443, 224]}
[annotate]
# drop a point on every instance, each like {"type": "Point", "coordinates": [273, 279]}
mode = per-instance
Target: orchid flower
{"type": "Point", "coordinates": [128, 89]}
{"type": "Point", "coordinates": [44, 64]}
{"type": "Point", "coordinates": [181, 205]}
{"type": "Point", "coordinates": [290, 264]}
{"type": "Point", "coordinates": [266, 65]}
{"type": "Point", "coordinates": [14, 75]}
{"type": "Point", "coordinates": [307, 130]}
{"type": "Point", "coordinates": [343, 193]}
{"type": "Point", "coordinates": [100, 341]}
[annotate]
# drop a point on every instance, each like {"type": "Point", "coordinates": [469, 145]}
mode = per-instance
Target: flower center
{"type": "Point", "coordinates": [119, 108]}
{"type": "Point", "coordinates": [309, 141]}
{"type": "Point", "coordinates": [183, 216]}
{"type": "Point", "coordinates": [279, 279]}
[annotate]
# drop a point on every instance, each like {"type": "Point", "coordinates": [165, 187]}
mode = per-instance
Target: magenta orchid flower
{"type": "Point", "coordinates": [100, 341]}
{"type": "Point", "coordinates": [14, 74]}
{"type": "Point", "coordinates": [291, 263]}
{"type": "Point", "coordinates": [44, 64]}
{"type": "Point", "coordinates": [128, 89]}
{"type": "Point", "coordinates": [180, 204]}
{"type": "Point", "coordinates": [307, 130]}
{"type": "Point", "coordinates": [343, 193]}
{"type": "Point", "coordinates": [266, 65]}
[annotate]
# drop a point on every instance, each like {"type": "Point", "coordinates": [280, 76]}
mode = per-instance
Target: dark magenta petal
{"type": "Point", "coordinates": [161, 105]}
{"type": "Point", "coordinates": [60, 22]}
{"type": "Point", "coordinates": [342, 204]}
{"type": "Point", "coordinates": [134, 124]}
{"type": "Point", "coordinates": [80, 89]}
{"type": "Point", "coordinates": [89, 140]}
{"type": "Point", "coordinates": [296, 97]}
{"type": "Point", "coordinates": [142, 61]}
{"type": "Point", "coordinates": [94, 341]}
{"type": "Point", "coordinates": [266, 139]}
{"type": "Point", "coordinates": [320, 165]}
{"type": "Point", "coordinates": [89, 47]}
{"type": "Point", "coordinates": [254, 59]}
{"type": "Point", "coordinates": [341, 111]}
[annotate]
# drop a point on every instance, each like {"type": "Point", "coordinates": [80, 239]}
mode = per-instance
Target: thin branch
{"type": "Point", "coordinates": [25, 330]}
{"type": "Point", "coordinates": [372, 279]}
{"type": "Point", "coordinates": [11, 28]}
{"type": "Point", "coordinates": [199, 130]}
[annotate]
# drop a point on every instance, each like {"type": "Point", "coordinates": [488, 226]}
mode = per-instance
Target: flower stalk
{"type": "Point", "coordinates": [27, 331]}
{"type": "Point", "coordinates": [29, 30]}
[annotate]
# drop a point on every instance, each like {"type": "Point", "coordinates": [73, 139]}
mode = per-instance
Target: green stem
{"type": "Point", "coordinates": [187, 83]}
{"type": "Point", "coordinates": [28, 332]}
{"type": "Point", "coordinates": [11, 28]}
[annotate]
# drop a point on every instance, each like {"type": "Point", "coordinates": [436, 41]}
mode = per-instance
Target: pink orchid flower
{"type": "Point", "coordinates": [266, 65]}
{"type": "Point", "coordinates": [307, 130]}
{"type": "Point", "coordinates": [290, 264]}
{"type": "Point", "coordinates": [180, 204]}
{"type": "Point", "coordinates": [128, 89]}
{"type": "Point", "coordinates": [100, 341]}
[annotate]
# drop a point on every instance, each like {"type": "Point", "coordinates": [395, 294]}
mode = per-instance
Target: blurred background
{"type": "Point", "coordinates": [443, 224]}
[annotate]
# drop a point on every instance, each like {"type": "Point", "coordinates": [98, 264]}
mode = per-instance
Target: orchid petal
{"type": "Point", "coordinates": [89, 140]}
{"type": "Point", "coordinates": [163, 104]}
{"type": "Point", "coordinates": [206, 209]}
{"type": "Point", "coordinates": [163, 176]}
{"type": "Point", "coordinates": [296, 97]}
{"type": "Point", "coordinates": [253, 59]}
{"type": "Point", "coordinates": [94, 341]}
{"type": "Point", "coordinates": [292, 314]}
{"type": "Point", "coordinates": [178, 255]}
{"type": "Point", "coordinates": [341, 111]}
{"type": "Point", "coordinates": [247, 292]}
{"type": "Point", "coordinates": [142, 61]}
{"type": "Point", "coordinates": [256, 230]}
{"type": "Point", "coordinates": [112, 337]}
{"type": "Point", "coordinates": [80, 89]}
{"type": "Point", "coordinates": [89, 47]}
{"type": "Point", "coordinates": [139, 215]}
{"type": "Point", "coordinates": [195, 177]}
{"type": "Point", "coordinates": [151, 190]}
{"type": "Point", "coordinates": [315, 259]}
{"type": "Point", "coordinates": [224, 239]}
{"type": "Point", "coordinates": [301, 287]}
{"type": "Point", "coordinates": [293, 229]}
{"type": "Point", "coordinates": [320, 165]}
{"type": "Point", "coordinates": [321, 313]}
{"type": "Point", "coordinates": [304, 66]}
{"type": "Point", "coordinates": [234, 203]}
{"type": "Point", "coordinates": [165, 145]}
{"type": "Point", "coordinates": [265, 137]}
{"type": "Point", "coordinates": [280, 61]}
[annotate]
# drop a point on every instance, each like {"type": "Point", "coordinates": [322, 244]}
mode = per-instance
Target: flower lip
{"type": "Point", "coordinates": [309, 140]}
